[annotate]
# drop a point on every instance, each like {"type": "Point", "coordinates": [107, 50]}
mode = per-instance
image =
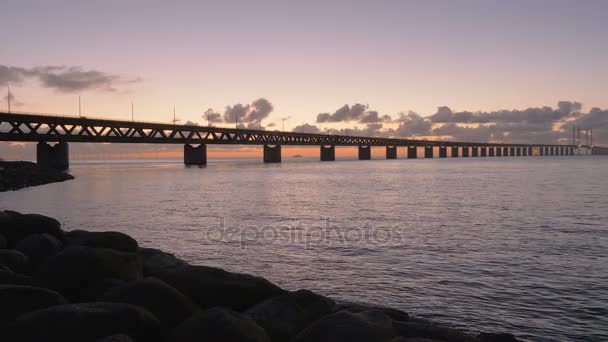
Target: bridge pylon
{"type": "Point", "coordinates": [56, 157]}
{"type": "Point", "coordinates": [195, 155]}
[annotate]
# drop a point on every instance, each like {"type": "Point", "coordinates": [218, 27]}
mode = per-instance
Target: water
{"type": "Point", "coordinates": [492, 244]}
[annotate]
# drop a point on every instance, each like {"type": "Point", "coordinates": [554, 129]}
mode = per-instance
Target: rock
{"type": "Point", "coordinates": [85, 322]}
{"type": "Point", "coordinates": [367, 326]}
{"type": "Point", "coordinates": [14, 260]}
{"type": "Point", "coordinates": [8, 277]}
{"type": "Point", "coordinates": [424, 329]}
{"type": "Point", "coordinates": [496, 337]}
{"type": "Point", "coordinates": [163, 301]}
{"type": "Point", "coordinates": [16, 226]}
{"type": "Point", "coordinates": [20, 174]}
{"type": "Point", "coordinates": [209, 286]}
{"type": "Point", "coordinates": [284, 316]}
{"type": "Point", "coordinates": [38, 247]}
{"type": "Point", "coordinates": [219, 324]}
{"type": "Point", "coordinates": [96, 291]}
{"type": "Point", "coordinates": [3, 242]}
{"type": "Point", "coordinates": [17, 300]}
{"type": "Point", "coordinates": [113, 240]}
{"type": "Point", "coordinates": [76, 269]}
{"type": "Point", "coordinates": [394, 314]}
{"type": "Point", "coordinates": [116, 338]}
{"type": "Point", "coordinates": [155, 261]}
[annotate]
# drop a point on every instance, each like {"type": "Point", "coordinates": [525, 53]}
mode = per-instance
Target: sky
{"type": "Point", "coordinates": [518, 71]}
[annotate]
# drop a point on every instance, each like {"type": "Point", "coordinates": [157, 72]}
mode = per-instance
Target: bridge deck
{"type": "Point", "coordinates": [32, 127]}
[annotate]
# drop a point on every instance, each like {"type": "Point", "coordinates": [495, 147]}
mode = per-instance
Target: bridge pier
{"type": "Point", "coordinates": [505, 151]}
{"type": "Point", "coordinates": [499, 151]}
{"type": "Point", "coordinates": [512, 151]}
{"type": "Point", "coordinates": [484, 151]}
{"type": "Point", "coordinates": [272, 154]}
{"type": "Point", "coordinates": [518, 151]}
{"type": "Point", "coordinates": [412, 152]}
{"type": "Point", "coordinates": [443, 152]}
{"type": "Point", "coordinates": [391, 152]}
{"type": "Point", "coordinates": [428, 151]}
{"type": "Point", "coordinates": [530, 151]}
{"type": "Point", "coordinates": [365, 152]}
{"type": "Point", "coordinates": [56, 157]}
{"type": "Point", "coordinates": [475, 151]}
{"type": "Point", "coordinates": [491, 151]}
{"type": "Point", "coordinates": [195, 155]}
{"type": "Point", "coordinates": [454, 152]}
{"type": "Point", "coordinates": [465, 151]}
{"type": "Point", "coordinates": [328, 153]}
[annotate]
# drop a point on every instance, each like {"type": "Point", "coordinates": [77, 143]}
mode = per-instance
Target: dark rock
{"type": "Point", "coordinates": [425, 329]}
{"type": "Point", "coordinates": [496, 337]}
{"type": "Point", "coordinates": [114, 240]}
{"type": "Point", "coordinates": [8, 277]}
{"type": "Point", "coordinates": [163, 301]}
{"type": "Point", "coordinates": [284, 316]}
{"type": "Point", "coordinates": [14, 260]}
{"type": "Point", "coordinates": [116, 338]}
{"type": "Point", "coordinates": [21, 174]}
{"type": "Point", "coordinates": [16, 226]}
{"type": "Point", "coordinates": [78, 268]}
{"type": "Point", "coordinates": [209, 286]}
{"type": "Point", "coordinates": [218, 324]}
{"type": "Point", "coordinates": [18, 300]}
{"type": "Point", "coordinates": [155, 261]}
{"type": "Point", "coordinates": [367, 326]}
{"type": "Point", "coordinates": [3, 242]}
{"type": "Point", "coordinates": [38, 247]}
{"type": "Point", "coordinates": [85, 322]}
{"type": "Point", "coordinates": [96, 291]}
{"type": "Point", "coordinates": [394, 314]}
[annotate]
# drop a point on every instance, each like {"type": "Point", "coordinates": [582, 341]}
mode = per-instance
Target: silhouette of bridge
{"type": "Point", "coordinates": [46, 129]}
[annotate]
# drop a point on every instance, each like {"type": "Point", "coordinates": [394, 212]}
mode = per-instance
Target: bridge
{"type": "Point", "coordinates": [46, 129]}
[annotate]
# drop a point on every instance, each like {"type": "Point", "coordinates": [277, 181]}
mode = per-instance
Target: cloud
{"type": "Point", "coordinates": [412, 124]}
{"type": "Point", "coordinates": [307, 128]}
{"type": "Point", "coordinates": [191, 123]}
{"type": "Point", "coordinates": [14, 101]}
{"type": "Point", "coordinates": [261, 108]}
{"type": "Point", "coordinates": [343, 114]}
{"type": "Point", "coordinates": [212, 116]}
{"type": "Point", "coordinates": [252, 113]}
{"type": "Point", "coordinates": [63, 79]}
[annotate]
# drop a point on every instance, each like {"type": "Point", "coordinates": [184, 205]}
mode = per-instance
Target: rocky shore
{"type": "Point", "coordinates": [21, 174]}
{"type": "Point", "coordinates": [102, 286]}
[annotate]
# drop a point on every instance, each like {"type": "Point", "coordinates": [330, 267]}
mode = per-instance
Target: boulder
{"type": "Point", "coordinates": [427, 330]}
{"type": "Point", "coordinates": [219, 324]}
{"type": "Point", "coordinates": [38, 247]}
{"type": "Point", "coordinates": [77, 269]}
{"type": "Point", "coordinates": [209, 286]}
{"type": "Point", "coordinates": [85, 322]}
{"type": "Point", "coordinates": [14, 260]}
{"type": "Point", "coordinates": [113, 240]}
{"type": "Point", "coordinates": [394, 314]}
{"type": "Point", "coordinates": [96, 291]}
{"type": "Point", "coordinates": [17, 300]}
{"type": "Point", "coordinates": [496, 337]}
{"type": "Point", "coordinates": [366, 326]}
{"type": "Point", "coordinates": [284, 316]}
{"type": "Point", "coordinates": [155, 261]}
{"type": "Point", "coordinates": [8, 277]}
{"type": "Point", "coordinates": [163, 301]}
{"type": "Point", "coordinates": [16, 226]}
{"type": "Point", "coordinates": [3, 242]}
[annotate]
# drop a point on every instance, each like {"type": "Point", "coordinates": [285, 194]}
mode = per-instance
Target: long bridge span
{"type": "Point", "coordinates": [62, 130]}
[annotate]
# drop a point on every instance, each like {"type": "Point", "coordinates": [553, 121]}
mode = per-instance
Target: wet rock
{"type": "Point", "coordinates": [14, 260]}
{"type": "Point", "coordinates": [116, 338]}
{"type": "Point", "coordinates": [155, 261]}
{"type": "Point", "coordinates": [367, 326]}
{"type": "Point", "coordinates": [496, 337]}
{"type": "Point", "coordinates": [8, 277]}
{"type": "Point", "coordinates": [96, 291]}
{"type": "Point", "coordinates": [17, 300]}
{"type": "Point", "coordinates": [21, 174]}
{"type": "Point", "coordinates": [284, 316]}
{"type": "Point", "coordinates": [209, 286]}
{"type": "Point", "coordinates": [113, 240]}
{"type": "Point", "coordinates": [424, 329]}
{"type": "Point", "coordinates": [394, 314]}
{"type": "Point", "coordinates": [85, 322]}
{"type": "Point", "coordinates": [3, 242]}
{"type": "Point", "coordinates": [219, 324]}
{"type": "Point", "coordinates": [17, 226]}
{"type": "Point", "coordinates": [38, 247]}
{"type": "Point", "coordinates": [76, 269]}
{"type": "Point", "coordinates": [163, 301]}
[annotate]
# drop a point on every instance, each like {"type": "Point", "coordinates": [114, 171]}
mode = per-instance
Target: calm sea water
{"type": "Point", "coordinates": [493, 244]}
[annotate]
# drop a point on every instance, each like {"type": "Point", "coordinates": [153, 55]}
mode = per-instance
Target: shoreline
{"type": "Point", "coordinates": [15, 175]}
{"type": "Point", "coordinates": [102, 286]}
